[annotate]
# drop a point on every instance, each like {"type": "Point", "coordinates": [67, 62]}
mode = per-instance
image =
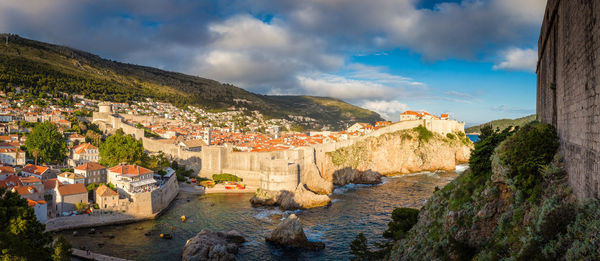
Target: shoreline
{"type": "Point", "coordinates": [87, 221]}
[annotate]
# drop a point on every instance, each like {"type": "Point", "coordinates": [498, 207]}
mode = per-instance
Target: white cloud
{"type": "Point", "coordinates": [516, 59]}
{"type": "Point", "coordinates": [389, 110]}
{"type": "Point", "coordinates": [258, 55]}
{"type": "Point", "coordinates": [344, 88]}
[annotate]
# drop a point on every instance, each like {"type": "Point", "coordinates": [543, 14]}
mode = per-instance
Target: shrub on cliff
{"type": "Point", "coordinates": [532, 147]}
{"type": "Point", "coordinates": [424, 133]}
{"type": "Point", "coordinates": [403, 219]}
{"type": "Point", "coordinates": [220, 178]}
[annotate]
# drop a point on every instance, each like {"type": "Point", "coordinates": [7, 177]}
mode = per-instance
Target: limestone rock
{"type": "Point", "coordinates": [301, 198]}
{"type": "Point", "coordinates": [349, 175]}
{"type": "Point", "coordinates": [291, 233]}
{"type": "Point", "coordinates": [399, 152]}
{"type": "Point", "coordinates": [208, 245]}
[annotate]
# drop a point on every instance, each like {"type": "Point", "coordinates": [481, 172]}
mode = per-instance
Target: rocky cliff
{"type": "Point", "coordinates": [365, 161]}
{"type": "Point", "coordinates": [401, 152]}
{"type": "Point", "coordinates": [513, 204]}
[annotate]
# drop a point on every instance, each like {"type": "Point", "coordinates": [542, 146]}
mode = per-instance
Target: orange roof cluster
{"type": "Point", "coordinates": [133, 170]}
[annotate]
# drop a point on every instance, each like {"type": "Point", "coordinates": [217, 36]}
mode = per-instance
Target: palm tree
{"type": "Point", "coordinates": [36, 154]}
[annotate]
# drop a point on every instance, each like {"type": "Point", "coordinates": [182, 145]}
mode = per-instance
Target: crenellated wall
{"type": "Point", "coordinates": [277, 170]}
{"type": "Point", "coordinates": [568, 92]}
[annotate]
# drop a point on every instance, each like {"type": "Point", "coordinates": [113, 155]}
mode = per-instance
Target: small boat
{"type": "Point", "coordinates": [166, 236]}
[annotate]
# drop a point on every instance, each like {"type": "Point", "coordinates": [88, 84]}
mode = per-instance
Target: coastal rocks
{"type": "Point", "coordinates": [301, 198]}
{"type": "Point", "coordinates": [349, 175]}
{"type": "Point", "coordinates": [208, 245]}
{"type": "Point", "coordinates": [291, 233]}
{"type": "Point", "coordinates": [400, 152]}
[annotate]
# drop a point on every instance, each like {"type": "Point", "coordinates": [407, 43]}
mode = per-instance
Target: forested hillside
{"type": "Point", "coordinates": [45, 68]}
{"type": "Point", "coordinates": [503, 123]}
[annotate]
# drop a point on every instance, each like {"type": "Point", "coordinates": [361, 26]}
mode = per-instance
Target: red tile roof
{"type": "Point", "coordinates": [129, 170]}
{"type": "Point", "coordinates": [50, 183]}
{"type": "Point", "coordinates": [72, 189]}
{"type": "Point", "coordinates": [81, 148]}
{"type": "Point", "coordinates": [24, 190]}
{"type": "Point", "coordinates": [29, 180]}
{"type": "Point", "coordinates": [38, 170]}
{"type": "Point", "coordinates": [90, 166]}
{"type": "Point", "coordinates": [32, 203]}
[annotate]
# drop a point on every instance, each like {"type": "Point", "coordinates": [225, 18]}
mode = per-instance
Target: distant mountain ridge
{"type": "Point", "coordinates": [503, 123]}
{"type": "Point", "coordinates": [43, 67]}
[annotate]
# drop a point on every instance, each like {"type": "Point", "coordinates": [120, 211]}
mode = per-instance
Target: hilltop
{"type": "Point", "coordinates": [43, 68]}
{"type": "Point", "coordinates": [503, 123]}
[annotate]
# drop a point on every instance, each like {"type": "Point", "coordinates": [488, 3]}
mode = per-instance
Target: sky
{"type": "Point", "coordinates": [473, 59]}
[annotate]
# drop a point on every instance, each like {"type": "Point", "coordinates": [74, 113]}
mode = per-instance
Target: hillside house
{"type": "Point", "coordinates": [40, 208]}
{"type": "Point", "coordinates": [39, 172]}
{"type": "Point", "coordinates": [70, 178]}
{"type": "Point", "coordinates": [12, 156]}
{"type": "Point", "coordinates": [92, 171]}
{"type": "Point", "coordinates": [75, 139]}
{"type": "Point", "coordinates": [106, 198]}
{"type": "Point", "coordinates": [83, 153]}
{"type": "Point", "coordinates": [360, 127]}
{"type": "Point", "coordinates": [67, 196]}
{"type": "Point", "coordinates": [130, 179]}
{"type": "Point", "coordinates": [5, 171]}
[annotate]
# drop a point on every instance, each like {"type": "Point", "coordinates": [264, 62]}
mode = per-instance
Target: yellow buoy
{"type": "Point", "coordinates": [183, 218]}
{"type": "Point", "coordinates": [162, 235]}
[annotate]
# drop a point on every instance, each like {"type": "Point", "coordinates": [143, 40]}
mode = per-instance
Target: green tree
{"type": "Point", "coordinates": [403, 219]}
{"type": "Point", "coordinates": [360, 248]}
{"type": "Point", "coordinates": [51, 144]}
{"type": "Point", "coordinates": [486, 131]}
{"type": "Point", "coordinates": [22, 236]}
{"type": "Point", "coordinates": [62, 250]}
{"type": "Point", "coordinates": [122, 148]}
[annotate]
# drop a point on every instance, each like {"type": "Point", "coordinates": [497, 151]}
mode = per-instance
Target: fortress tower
{"type": "Point", "coordinates": [105, 107]}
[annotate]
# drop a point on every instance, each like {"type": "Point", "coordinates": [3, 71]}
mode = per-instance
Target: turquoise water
{"type": "Point", "coordinates": [473, 138]}
{"type": "Point", "coordinates": [355, 209]}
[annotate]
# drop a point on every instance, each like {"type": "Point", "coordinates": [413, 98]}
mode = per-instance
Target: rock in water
{"type": "Point", "coordinates": [350, 175]}
{"type": "Point", "coordinates": [208, 245]}
{"type": "Point", "coordinates": [290, 233]}
{"type": "Point", "coordinates": [300, 198]}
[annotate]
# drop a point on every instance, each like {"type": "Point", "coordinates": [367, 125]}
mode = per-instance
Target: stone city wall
{"type": "Point", "coordinates": [568, 89]}
{"type": "Point", "coordinates": [277, 170]}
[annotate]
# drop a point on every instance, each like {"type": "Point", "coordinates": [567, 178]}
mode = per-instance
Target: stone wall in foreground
{"type": "Point", "coordinates": [568, 91]}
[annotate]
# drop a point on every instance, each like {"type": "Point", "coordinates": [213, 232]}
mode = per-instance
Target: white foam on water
{"type": "Point", "coordinates": [461, 168]}
{"type": "Point", "coordinates": [265, 214]}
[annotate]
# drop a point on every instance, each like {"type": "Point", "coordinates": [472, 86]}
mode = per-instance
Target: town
{"type": "Point", "coordinates": [61, 154]}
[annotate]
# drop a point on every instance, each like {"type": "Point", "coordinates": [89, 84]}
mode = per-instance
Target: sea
{"type": "Point", "coordinates": [354, 209]}
{"type": "Point", "coordinates": [473, 138]}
